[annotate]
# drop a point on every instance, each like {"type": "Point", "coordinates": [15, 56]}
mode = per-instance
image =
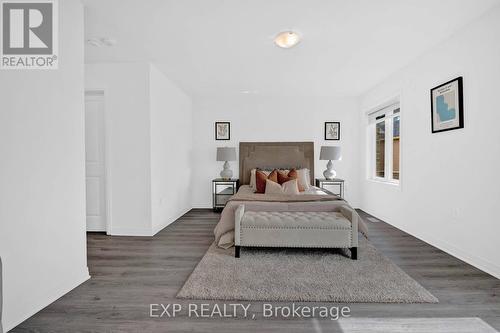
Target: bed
{"type": "Point", "coordinates": [279, 155]}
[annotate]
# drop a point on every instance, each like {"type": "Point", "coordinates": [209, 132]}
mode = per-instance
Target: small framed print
{"type": "Point", "coordinates": [447, 106]}
{"type": "Point", "coordinates": [332, 130]}
{"type": "Point", "coordinates": [222, 130]}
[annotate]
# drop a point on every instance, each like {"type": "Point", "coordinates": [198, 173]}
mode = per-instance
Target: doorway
{"type": "Point", "coordinates": [95, 161]}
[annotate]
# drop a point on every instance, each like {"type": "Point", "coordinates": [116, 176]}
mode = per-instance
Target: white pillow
{"type": "Point", "coordinates": [304, 178]}
{"type": "Point", "coordinates": [273, 187]}
{"type": "Point", "coordinates": [290, 187]}
{"type": "Point", "coordinates": [252, 179]}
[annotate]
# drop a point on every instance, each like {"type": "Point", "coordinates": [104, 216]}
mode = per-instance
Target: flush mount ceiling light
{"type": "Point", "coordinates": [94, 42]}
{"type": "Point", "coordinates": [108, 41]}
{"type": "Point", "coordinates": [101, 41]}
{"type": "Point", "coordinates": [248, 92]}
{"type": "Point", "coordinates": [287, 39]}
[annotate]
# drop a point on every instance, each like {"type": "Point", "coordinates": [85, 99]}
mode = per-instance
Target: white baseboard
{"type": "Point", "coordinates": [139, 232]}
{"type": "Point", "coordinates": [160, 227]}
{"type": "Point", "coordinates": [52, 296]}
{"type": "Point", "coordinates": [145, 232]}
{"type": "Point", "coordinates": [472, 259]}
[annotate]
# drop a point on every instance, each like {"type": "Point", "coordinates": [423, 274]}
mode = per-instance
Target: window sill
{"type": "Point", "coordinates": [385, 182]}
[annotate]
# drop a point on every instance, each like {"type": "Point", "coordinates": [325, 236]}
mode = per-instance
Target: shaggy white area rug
{"type": "Point", "coordinates": [319, 275]}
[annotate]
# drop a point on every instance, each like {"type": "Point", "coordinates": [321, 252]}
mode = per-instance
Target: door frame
{"type": "Point", "coordinates": [107, 139]}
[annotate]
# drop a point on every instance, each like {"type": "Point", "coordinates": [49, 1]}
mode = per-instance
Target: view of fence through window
{"type": "Point", "coordinates": [395, 148]}
{"type": "Point", "coordinates": [385, 126]}
{"type": "Point", "coordinates": [380, 149]}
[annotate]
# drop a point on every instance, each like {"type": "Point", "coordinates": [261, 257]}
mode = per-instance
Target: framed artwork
{"type": "Point", "coordinates": [332, 130]}
{"type": "Point", "coordinates": [447, 106]}
{"type": "Point", "coordinates": [222, 130]}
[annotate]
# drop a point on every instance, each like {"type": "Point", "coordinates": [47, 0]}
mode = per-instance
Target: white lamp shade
{"type": "Point", "coordinates": [226, 154]}
{"type": "Point", "coordinates": [330, 153]}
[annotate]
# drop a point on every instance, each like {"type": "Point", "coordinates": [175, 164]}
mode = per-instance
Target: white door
{"type": "Point", "coordinates": [94, 161]}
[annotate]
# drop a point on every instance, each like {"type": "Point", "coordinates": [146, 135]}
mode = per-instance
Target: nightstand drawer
{"type": "Point", "coordinates": [222, 190]}
{"type": "Point", "coordinates": [335, 186]}
{"type": "Point", "coordinates": [221, 200]}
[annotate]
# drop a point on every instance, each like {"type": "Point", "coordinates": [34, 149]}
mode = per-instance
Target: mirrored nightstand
{"type": "Point", "coordinates": [336, 185]}
{"type": "Point", "coordinates": [222, 190]}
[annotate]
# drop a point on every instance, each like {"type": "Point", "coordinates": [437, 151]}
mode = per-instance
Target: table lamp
{"type": "Point", "coordinates": [226, 154]}
{"type": "Point", "coordinates": [329, 153]}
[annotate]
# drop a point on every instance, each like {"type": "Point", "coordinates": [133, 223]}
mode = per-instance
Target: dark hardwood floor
{"type": "Point", "coordinates": [130, 273]}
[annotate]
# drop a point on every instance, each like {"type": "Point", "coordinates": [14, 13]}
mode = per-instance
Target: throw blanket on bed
{"type": "Point", "coordinates": [224, 231]}
{"type": "Point", "coordinates": [245, 196]}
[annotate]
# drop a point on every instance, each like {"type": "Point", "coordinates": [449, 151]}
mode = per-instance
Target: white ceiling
{"type": "Point", "coordinates": [223, 47]}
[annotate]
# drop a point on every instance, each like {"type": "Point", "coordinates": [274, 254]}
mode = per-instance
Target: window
{"type": "Point", "coordinates": [395, 146]}
{"type": "Point", "coordinates": [380, 149]}
{"type": "Point", "coordinates": [384, 133]}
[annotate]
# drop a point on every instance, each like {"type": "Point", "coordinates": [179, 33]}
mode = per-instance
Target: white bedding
{"type": "Point", "coordinates": [224, 231]}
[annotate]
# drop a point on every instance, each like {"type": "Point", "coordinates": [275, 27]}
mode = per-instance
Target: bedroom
{"type": "Point", "coordinates": [110, 165]}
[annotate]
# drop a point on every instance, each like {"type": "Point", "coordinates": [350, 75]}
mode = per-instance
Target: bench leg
{"type": "Point", "coordinates": [236, 251]}
{"type": "Point", "coordinates": [354, 253]}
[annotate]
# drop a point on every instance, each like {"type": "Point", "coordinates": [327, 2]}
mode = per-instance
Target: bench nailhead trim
{"type": "Point", "coordinates": [293, 228]}
{"type": "Point", "coordinates": [297, 246]}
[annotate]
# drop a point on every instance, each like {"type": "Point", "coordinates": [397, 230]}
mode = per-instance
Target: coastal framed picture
{"type": "Point", "coordinates": [447, 106]}
{"type": "Point", "coordinates": [332, 130]}
{"type": "Point", "coordinates": [222, 130]}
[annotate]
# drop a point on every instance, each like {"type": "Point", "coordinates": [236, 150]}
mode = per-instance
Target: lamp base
{"type": "Point", "coordinates": [329, 173]}
{"type": "Point", "coordinates": [226, 173]}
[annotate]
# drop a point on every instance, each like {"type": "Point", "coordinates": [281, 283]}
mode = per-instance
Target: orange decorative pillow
{"type": "Point", "coordinates": [284, 176]}
{"type": "Point", "coordinates": [260, 180]}
{"type": "Point", "coordinates": [273, 176]}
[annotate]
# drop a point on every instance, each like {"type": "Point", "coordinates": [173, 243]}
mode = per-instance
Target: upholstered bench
{"type": "Point", "coordinates": [336, 229]}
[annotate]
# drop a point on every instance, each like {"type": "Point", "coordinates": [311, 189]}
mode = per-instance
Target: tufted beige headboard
{"type": "Point", "coordinates": [270, 155]}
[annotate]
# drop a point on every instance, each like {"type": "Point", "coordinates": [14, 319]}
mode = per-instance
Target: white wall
{"type": "Point", "coordinates": [171, 150]}
{"type": "Point", "coordinates": [149, 139]}
{"type": "Point", "coordinates": [262, 118]}
{"type": "Point", "coordinates": [450, 181]}
{"type": "Point", "coordinates": [126, 95]}
{"type": "Point", "coordinates": [42, 178]}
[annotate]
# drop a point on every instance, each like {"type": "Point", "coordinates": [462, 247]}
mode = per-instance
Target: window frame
{"type": "Point", "coordinates": [385, 114]}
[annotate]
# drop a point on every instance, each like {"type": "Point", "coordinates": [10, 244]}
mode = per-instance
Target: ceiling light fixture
{"type": "Point", "coordinates": [94, 42]}
{"type": "Point", "coordinates": [101, 41]}
{"type": "Point", "coordinates": [108, 41]}
{"type": "Point", "coordinates": [248, 92]}
{"type": "Point", "coordinates": [287, 39]}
